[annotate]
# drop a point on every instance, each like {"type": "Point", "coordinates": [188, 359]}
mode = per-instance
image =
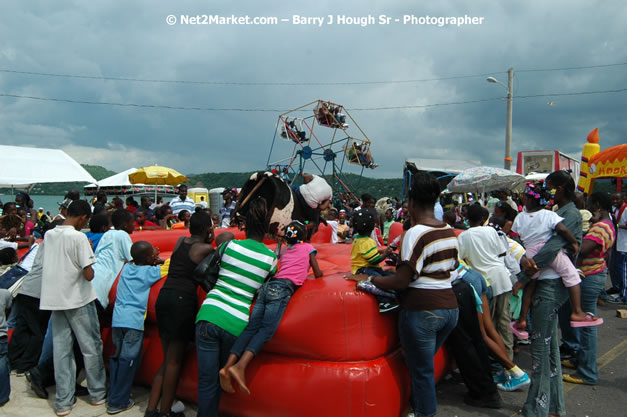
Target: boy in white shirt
{"type": "Point", "coordinates": [482, 249]}
{"type": "Point", "coordinates": [67, 291]}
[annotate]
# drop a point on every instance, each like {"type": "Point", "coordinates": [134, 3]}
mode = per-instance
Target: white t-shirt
{"type": "Point", "coordinates": [63, 286]}
{"type": "Point", "coordinates": [480, 247]}
{"type": "Point", "coordinates": [6, 244]}
{"type": "Point", "coordinates": [621, 239]}
{"type": "Point", "coordinates": [113, 250]}
{"type": "Point", "coordinates": [316, 191]}
{"type": "Point", "coordinates": [333, 224]}
{"type": "Point", "coordinates": [537, 227]}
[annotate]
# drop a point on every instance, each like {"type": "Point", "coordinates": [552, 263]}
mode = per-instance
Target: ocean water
{"type": "Point", "coordinates": [48, 202]}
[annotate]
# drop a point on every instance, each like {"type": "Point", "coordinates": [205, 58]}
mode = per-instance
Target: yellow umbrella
{"type": "Point", "coordinates": [157, 175]}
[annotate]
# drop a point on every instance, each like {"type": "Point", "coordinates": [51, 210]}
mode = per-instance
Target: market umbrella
{"type": "Point", "coordinates": [157, 175]}
{"type": "Point", "coordinates": [485, 179]}
{"type": "Point", "coordinates": [536, 176]}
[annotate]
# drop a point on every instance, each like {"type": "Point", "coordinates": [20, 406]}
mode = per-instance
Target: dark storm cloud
{"type": "Point", "coordinates": [131, 39]}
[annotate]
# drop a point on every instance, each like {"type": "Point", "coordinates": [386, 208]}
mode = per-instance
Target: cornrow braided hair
{"type": "Point", "coordinates": [257, 221]}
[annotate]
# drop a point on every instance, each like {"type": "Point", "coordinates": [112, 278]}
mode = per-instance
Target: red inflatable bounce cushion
{"type": "Point", "coordinates": [395, 231]}
{"type": "Point", "coordinates": [289, 387]}
{"type": "Point", "coordinates": [166, 239]}
{"type": "Point", "coordinates": [327, 319]}
{"type": "Point", "coordinates": [323, 235]}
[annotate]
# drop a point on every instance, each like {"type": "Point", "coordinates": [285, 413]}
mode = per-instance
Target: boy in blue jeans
{"type": "Point", "coordinates": [129, 313]}
{"type": "Point", "coordinates": [66, 290]}
{"type": "Point", "coordinates": [366, 258]}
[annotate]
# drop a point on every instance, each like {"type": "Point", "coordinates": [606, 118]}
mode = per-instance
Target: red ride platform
{"type": "Point", "coordinates": [333, 354]}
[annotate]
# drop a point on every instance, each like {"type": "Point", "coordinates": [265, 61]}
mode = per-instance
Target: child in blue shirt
{"type": "Point", "coordinates": [127, 325]}
{"type": "Point", "coordinates": [114, 249]}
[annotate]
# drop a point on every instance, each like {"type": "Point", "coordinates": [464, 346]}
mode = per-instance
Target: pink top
{"type": "Point", "coordinates": [295, 263]}
{"type": "Point", "coordinates": [28, 228]}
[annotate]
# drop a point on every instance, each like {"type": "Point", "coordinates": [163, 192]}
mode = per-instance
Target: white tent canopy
{"type": "Point", "coordinates": [451, 166]}
{"type": "Point", "coordinates": [21, 167]}
{"type": "Point", "coordinates": [117, 180]}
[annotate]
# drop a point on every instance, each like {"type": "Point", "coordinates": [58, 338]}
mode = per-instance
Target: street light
{"type": "Point", "coordinates": [508, 127]}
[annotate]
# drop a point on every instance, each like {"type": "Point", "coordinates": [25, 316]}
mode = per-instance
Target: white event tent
{"type": "Point", "coordinates": [22, 167]}
{"type": "Point", "coordinates": [117, 180]}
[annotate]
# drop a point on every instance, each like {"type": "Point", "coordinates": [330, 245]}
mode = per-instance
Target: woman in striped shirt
{"type": "Point", "coordinates": [245, 265]}
{"type": "Point", "coordinates": [594, 247]}
{"type": "Point", "coordinates": [428, 304]}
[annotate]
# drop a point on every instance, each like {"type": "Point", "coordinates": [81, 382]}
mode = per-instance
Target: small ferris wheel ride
{"type": "Point", "coordinates": [320, 144]}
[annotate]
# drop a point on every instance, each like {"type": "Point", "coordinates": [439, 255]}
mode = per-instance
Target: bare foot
{"type": "Point", "coordinates": [225, 380]}
{"type": "Point", "coordinates": [581, 316]}
{"type": "Point", "coordinates": [238, 375]}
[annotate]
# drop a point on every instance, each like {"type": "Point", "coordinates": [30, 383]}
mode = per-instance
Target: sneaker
{"type": "Point", "coordinates": [615, 299]}
{"type": "Point", "coordinates": [116, 410]}
{"type": "Point", "coordinates": [98, 402]}
{"type": "Point", "coordinates": [68, 410]}
{"type": "Point", "coordinates": [151, 413]}
{"type": "Point", "coordinates": [178, 407]}
{"type": "Point", "coordinates": [612, 291]}
{"type": "Point", "coordinates": [370, 288]}
{"type": "Point", "coordinates": [34, 379]}
{"type": "Point", "coordinates": [387, 307]}
{"type": "Point", "coordinates": [500, 378]}
{"type": "Point", "coordinates": [523, 341]}
{"type": "Point", "coordinates": [515, 383]}
{"type": "Point", "coordinates": [574, 379]}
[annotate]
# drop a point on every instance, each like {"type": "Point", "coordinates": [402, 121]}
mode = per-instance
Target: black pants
{"type": "Point", "coordinates": [28, 336]}
{"type": "Point", "coordinates": [467, 346]}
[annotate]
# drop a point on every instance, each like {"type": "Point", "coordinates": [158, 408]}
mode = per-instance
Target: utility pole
{"type": "Point", "coordinates": [508, 127]}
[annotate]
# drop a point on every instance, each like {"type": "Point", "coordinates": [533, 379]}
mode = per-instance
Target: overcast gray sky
{"type": "Point", "coordinates": [131, 39]}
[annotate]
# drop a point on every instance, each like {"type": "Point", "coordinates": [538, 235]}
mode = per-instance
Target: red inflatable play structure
{"type": "Point", "coordinates": [333, 354]}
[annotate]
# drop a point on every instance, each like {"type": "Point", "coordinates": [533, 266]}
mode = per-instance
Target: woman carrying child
{"type": "Point", "coordinates": [271, 304]}
{"type": "Point", "coordinates": [546, 393]}
{"type": "Point", "coordinates": [244, 266]}
{"type": "Point", "coordinates": [535, 227]}
{"type": "Point", "coordinates": [176, 309]}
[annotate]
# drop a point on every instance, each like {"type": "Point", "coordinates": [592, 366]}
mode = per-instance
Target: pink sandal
{"type": "Point", "coordinates": [521, 334]}
{"type": "Point", "coordinates": [590, 320]}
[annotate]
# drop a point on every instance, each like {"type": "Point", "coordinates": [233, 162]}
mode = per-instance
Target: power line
{"type": "Point", "coordinates": [320, 83]}
{"type": "Point", "coordinates": [196, 82]}
{"type": "Point", "coordinates": [235, 109]}
{"type": "Point", "coordinates": [573, 68]}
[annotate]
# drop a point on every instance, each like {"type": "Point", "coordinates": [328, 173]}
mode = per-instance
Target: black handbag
{"type": "Point", "coordinates": [207, 271]}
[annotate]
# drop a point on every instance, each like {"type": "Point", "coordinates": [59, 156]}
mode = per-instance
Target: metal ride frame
{"type": "Point", "coordinates": [309, 147]}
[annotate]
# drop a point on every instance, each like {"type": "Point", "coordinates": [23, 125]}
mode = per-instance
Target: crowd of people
{"type": "Point", "coordinates": [482, 278]}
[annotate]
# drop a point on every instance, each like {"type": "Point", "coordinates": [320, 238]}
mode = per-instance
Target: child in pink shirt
{"type": "Point", "coordinates": [270, 305]}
